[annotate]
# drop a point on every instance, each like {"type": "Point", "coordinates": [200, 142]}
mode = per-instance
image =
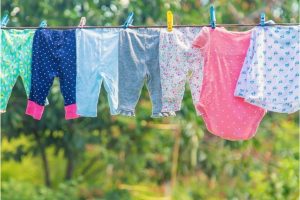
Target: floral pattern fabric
{"type": "Point", "coordinates": [15, 58]}
{"type": "Point", "coordinates": [179, 62]}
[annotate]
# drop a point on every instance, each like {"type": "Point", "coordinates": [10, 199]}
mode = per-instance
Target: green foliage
{"type": "Point", "coordinates": [26, 191]}
{"type": "Point", "coordinates": [132, 158]}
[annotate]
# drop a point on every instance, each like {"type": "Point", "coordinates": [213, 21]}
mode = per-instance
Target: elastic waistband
{"type": "Point", "coordinates": [18, 31]}
{"type": "Point", "coordinates": [101, 30]}
{"type": "Point", "coordinates": [182, 30]}
{"type": "Point", "coordinates": [279, 27]}
{"type": "Point", "coordinates": [56, 35]}
{"type": "Point", "coordinates": [55, 31]}
{"type": "Point", "coordinates": [143, 31]}
{"type": "Point", "coordinates": [97, 32]}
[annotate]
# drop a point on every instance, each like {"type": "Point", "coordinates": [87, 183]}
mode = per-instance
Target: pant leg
{"type": "Point", "coordinates": [131, 70]}
{"type": "Point", "coordinates": [43, 73]}
{"type": "Point", "coordinates": [8, 68]}
{"type": "Point", "coordinates": [87, 94]}
{"type": "Point", "coordinates": [153, 71]}
{"type": "Point", "coordinates": [25, 63]}
{"type": "Point", "coordinates": [195, 64]}
{"type": "Point", "coordinates": [67, 73]}
{"type": "Point", "coordinates": [7, 82]}
{"type": "Point", "coordinates": [88, 80]}
{"type": "Point", "coordinates": [109, 67]}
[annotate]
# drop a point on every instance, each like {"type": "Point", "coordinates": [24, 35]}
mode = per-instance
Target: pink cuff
{"type": "Point", "coordinates": [70, 112]}
{"type": "Point", "coordinates": [34, 110]}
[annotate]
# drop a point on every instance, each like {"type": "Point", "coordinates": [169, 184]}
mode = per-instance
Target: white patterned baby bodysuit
{"type": "Point", "coordinates": [270, 74]}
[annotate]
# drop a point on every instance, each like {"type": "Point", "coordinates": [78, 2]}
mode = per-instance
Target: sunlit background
{"type": "Point", "coordinates": [112, 158]}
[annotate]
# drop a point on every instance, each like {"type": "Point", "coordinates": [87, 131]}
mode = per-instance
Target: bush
{"type": "Point", "coordinates": [16, 190]}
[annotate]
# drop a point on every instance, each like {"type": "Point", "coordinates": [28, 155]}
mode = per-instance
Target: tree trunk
{"type": "Point", "coordinates": [91, 163]}
{"type": "Point", "coordinates": [175, 157]}
{"type": "Point", "coordinates": [70, 165]}
{"type": "Point", "coordinates": [46, 168]}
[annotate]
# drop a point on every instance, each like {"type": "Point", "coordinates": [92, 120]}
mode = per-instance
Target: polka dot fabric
{"type": "Point", "coordinates": [53, 55]}
{"type": "Point", "coordinates": [270, 74]}
{"type": "Point", "coordinates": [225, 115]}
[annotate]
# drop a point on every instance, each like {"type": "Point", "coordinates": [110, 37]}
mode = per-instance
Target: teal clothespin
{"type": "Point", "coordinates": [212, 17]}
{"type": "Point", "coordinates": [129, 20]}
{"type": "Point", "coordinates": [262, 19]}
{"type": "Point", "coordinates": [4, 20]}
{"type": "Point", "coordinates": [43, 24]}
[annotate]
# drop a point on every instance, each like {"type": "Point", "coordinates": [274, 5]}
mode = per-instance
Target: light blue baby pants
{"type": "Point", "coordinates": [97, 62]}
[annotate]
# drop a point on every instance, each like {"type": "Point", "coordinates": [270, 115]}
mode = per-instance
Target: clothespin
{"type": "Point", "coordinates": [128, 21]}
{"type": "Point", "coordinates": [43, 24]}
{"type": "Point", "coordinates": [82, 22]}
{"type": "Point", "coordinates": [262, 19]}
{"type": "Point", "coordinates": [169, 21]}
{"type": "Point", "coordinates": [4, 20]}
{"type": "Point", "coordinates": [212, 17]}
{"type": "Point", "coordinates": [269, 22]}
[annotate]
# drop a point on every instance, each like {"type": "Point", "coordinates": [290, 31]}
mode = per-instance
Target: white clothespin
{"type": "Point", "coordinates": [82, 22]}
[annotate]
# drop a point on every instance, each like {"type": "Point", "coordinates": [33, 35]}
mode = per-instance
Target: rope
{"type": "Point", "coordinates": [155, 26]}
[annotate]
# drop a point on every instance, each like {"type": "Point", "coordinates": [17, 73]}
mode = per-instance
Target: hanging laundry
{"type": "Point", "coordinates": [138, 61]}
{"type": "Point", "coordinates": [97, 62]}
{"type": "Point", "coordinates": [225, 115]}
{"type": "Point", "coordinates": [179, 62]}
{"type": "Point", "coordinates": [15, 55]}
{"type": "Point", "coordinates": [53, 55]}
{"type": "Point", "coordinates": [270, 74]}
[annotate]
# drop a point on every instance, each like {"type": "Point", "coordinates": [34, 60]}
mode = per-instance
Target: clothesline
{"type": "Point", "coordinates": [263, 59]}
{"type": "Point", "coordinates": [152, 26]}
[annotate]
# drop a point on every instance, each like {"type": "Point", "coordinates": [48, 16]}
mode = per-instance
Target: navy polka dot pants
{"type": "Point", "coordinates": [53, 55]}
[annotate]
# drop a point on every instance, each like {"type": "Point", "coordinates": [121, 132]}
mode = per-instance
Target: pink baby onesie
{"type": "Point", "coordinates": [225, 115]}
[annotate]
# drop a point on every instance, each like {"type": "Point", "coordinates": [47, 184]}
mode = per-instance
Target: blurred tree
{"type": "Point", "coordinates": [140, 144]}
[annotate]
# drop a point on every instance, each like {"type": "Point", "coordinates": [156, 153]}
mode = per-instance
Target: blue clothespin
{"type": "Point", "coordinates": [43, 24]}
{"type": "Point", "coordinates": [4, 20]}
{"type": "Point", "coordinates": [129, 20]}
{"type": "Point", "coordinates": [262, 19]}
{"type": "Point", "coordinates": [212, 17]}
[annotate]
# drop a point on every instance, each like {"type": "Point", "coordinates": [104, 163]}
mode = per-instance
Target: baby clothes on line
{"type": "Point", "coordinates": [179, 61]}
{"type": "Point", "coordinates": [224, 114]}
{"type": "Point", "coordinates": [97, 62]}
{"type": "Point", "coordinates": [138, 61]}
{"type": "Point", "coordinates": [53, 55]}
{"type": "Point", "coordinates": [15, 61]}
{"type": "Point", "coordinates": [270, 74]}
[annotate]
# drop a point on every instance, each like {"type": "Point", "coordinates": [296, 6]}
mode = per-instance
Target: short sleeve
{"type": "Point", "coordinates": [202, 39]}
